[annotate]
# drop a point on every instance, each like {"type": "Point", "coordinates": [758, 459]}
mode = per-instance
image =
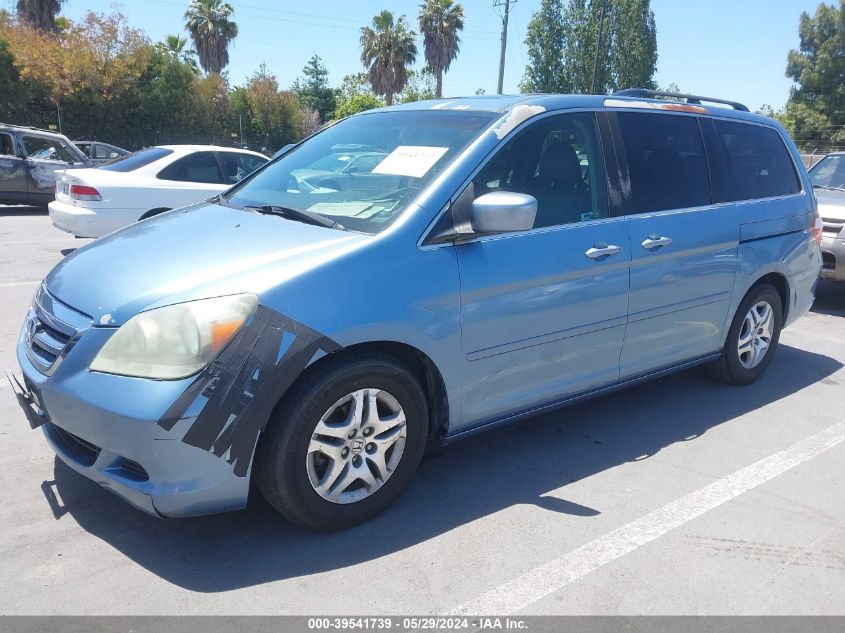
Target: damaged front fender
{"type": "Point", "coordinates": [236, 393]}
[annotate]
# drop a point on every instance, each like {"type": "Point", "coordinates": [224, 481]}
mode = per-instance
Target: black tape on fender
{"type": "Point", "coordinates": [243, 385]}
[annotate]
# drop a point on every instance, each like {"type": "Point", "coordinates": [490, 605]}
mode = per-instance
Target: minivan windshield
{"type": "Point", "coordinates": [396, 155]}
{"type": "Point", "coordinates": [829, 172]}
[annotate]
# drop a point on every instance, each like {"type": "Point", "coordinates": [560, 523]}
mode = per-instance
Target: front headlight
{"type": "Point", "coordinates": [174, 341]}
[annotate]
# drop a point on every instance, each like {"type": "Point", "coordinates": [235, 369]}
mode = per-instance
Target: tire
{"type": "Point", "coordinates": [743, 369]}
{"type": "Point", "coordinates": [294, 475]}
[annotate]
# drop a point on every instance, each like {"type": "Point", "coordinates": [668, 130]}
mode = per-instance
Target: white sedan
{"type": "Point", "coordinates": [94, 202]}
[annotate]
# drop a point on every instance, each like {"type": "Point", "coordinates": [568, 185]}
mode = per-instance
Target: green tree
{"type": "Point", "coordinates": [617, 38]}
{"type": "Point", "coordinates": [440, 21]}
{"type": "Point", "coordinates": [387, 49]}
{"type": "Point", "coordinates": [277, 118]}
{"type": "Point", "coordinates": [545, 39]}
{"type": "Point", "coordinates": [313, 88]}
{"type": "Point", "coordinates": [357, 103]}
{"type": "Point", "coordinates": [421, 85]}
{"type": "Point", "coordinates": [815, 111]}
{"type": "Point", "coordinates": [354, 84]}
{"type": "Point", "coordinates": [16, 93]}
{"type": "Point", "coordinates": [40, 14]}
{"type": "Point", "coordinates": [210, 25]}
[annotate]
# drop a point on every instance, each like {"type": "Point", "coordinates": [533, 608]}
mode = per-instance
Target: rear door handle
{"type": "Point", "coordinates": [601, 251]}
{"type": "Point", "coordinates": [656, 241]}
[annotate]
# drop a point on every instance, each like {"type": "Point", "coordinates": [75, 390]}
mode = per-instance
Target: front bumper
{"type": "Point", "coordinates": [90, 222]}
{"type": "Point", "coordinates": [105, 427]}
{"type": "Point", "coordinates": [833, 254]}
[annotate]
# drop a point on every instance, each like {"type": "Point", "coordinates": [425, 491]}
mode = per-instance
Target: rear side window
{"type": "Point", "coordinates": [134, 161]}
{"type": "Point", "coordinates": [759, 165]}
{"type": "Point", "coordinates": [199, 167]}
{"type": "Point", "coordinates": [666, 161]}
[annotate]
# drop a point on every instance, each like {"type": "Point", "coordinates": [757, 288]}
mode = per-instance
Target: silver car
{"type": "Point", "coordinates": [828, 178]}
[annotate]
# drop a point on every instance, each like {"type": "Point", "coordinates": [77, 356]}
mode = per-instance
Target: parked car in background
{"type": "Point", "coordinates": [100, 152]}
{"type": "Point", "coordinates": [828, 178]}
{"type": "Point", "coordinates": [93, 202]}
{"type": "Point", "coordinates": [339, 169]}
{"type": "Point", "coordinates": [29, 159]}
{"type": "Point", "coordinates": [315, 341]}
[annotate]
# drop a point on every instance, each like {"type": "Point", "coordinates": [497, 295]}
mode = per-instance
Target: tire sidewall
{"type": "Point", "coordinates": [291, 471]}
{"type": "Point", "coordinates": [738, 372]}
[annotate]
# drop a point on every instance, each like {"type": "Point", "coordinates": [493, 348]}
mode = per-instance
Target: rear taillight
{"type": "Point", "coordinates": [84, 192]}
{"type": "Point", "coordinates": [817, 228]}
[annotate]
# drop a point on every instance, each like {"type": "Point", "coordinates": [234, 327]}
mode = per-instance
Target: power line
{"type": "Point", "coordinates": [473, 33]}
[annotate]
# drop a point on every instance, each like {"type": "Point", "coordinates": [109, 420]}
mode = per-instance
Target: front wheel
{"type": "Point", "coordinates": [344, 443]}
{"type": "Point", "coordinates": [752, 339]}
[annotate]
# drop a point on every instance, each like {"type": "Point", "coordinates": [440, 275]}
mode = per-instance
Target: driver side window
{"type": "Point", "coordinates": [558, 161]}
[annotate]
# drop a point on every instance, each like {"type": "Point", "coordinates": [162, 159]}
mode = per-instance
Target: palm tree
{"type": "Point", "coordinates": [211, 29]}
{"type": "Point", "coordinates": [39, 13]}
{"type": "Point", "coordinates": [387, 49]}
{"type": "Point", "coordinates": [176, 47]}
{"type": "Point", "coordinates": [440, 21]}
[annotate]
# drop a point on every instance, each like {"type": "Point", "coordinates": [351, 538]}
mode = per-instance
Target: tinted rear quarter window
{"type": "Point", "coordinates": [666, 161]}
{"type": "Point", "coordinates": [759, 165]}
{"type": "Point", "coordinates": [199, 167]}
{"type": "Point", "coordinates": [136, 160]}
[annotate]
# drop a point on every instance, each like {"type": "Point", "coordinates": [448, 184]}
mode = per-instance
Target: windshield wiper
{"type": "Point", "coordinates": [309, 217]}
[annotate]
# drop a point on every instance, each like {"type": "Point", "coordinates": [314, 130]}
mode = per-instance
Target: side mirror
{"type": "Point", "coordinates": [503, 212]}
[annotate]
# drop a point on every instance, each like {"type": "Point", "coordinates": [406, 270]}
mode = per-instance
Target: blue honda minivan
{"type": "Point", "coordinates": [316, 327]}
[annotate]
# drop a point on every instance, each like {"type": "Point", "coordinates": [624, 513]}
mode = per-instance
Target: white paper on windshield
{"type": "Point", "coordinates": [410, 160]}
{"type": "Point", "coordinates": [364, 210]}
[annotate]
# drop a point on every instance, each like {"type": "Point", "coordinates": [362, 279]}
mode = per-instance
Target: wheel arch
{"type": "Point", "coordinates": [423, 368]}
{"type": "Point", "coordinates": [153, 212]}
{"type": "Point", "coordinates": [780, 283]}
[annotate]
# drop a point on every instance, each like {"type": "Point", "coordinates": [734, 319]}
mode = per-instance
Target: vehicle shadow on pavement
{"type": "Point", "coordinates": [470, 480]}
{"type": "Point", "coordinates": [830, 298]}
{"type": "Point", "coordinates": [21, 210]}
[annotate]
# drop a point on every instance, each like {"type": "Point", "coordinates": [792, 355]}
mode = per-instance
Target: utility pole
{"type": "Point", "coordinates": [507, 5]}
{"type": "Point", "coordinates": [598, 45]}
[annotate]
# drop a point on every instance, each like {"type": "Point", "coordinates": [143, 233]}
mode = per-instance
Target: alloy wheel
{"type": "Point", "coordinates": [755, 336]}
{"type": "Point", "coordinates": [356, 446]}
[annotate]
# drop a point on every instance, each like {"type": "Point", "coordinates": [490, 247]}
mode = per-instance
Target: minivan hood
{"type": "Point", "coordinates": [831, 203]}
{"type": "Point", "coordinates": [201, 251]}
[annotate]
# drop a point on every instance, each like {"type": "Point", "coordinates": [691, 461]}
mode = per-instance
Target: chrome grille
{"type": "Point", "coordinates": [50, 330]}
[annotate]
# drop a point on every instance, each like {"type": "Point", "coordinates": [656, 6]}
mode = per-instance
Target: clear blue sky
{"type": "Point", "coordinates": [734, 49]}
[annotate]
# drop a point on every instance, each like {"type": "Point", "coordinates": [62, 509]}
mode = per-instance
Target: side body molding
{"type": "Point", "coordinates": [238, 391]}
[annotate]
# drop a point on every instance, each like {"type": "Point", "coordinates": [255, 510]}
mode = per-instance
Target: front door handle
{"type": "Point", "coordinates": [656, 241]}
{"type": "Point", "coordinates": [601, 251]}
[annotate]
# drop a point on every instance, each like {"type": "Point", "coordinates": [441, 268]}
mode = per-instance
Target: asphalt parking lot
{"type": "Point", "coordinates": [680, 496]}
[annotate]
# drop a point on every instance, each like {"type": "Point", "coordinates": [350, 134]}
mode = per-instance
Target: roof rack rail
{"type": "Point", "coordinates": [644, 93]}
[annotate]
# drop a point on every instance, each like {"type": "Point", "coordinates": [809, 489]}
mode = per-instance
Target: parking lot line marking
{"type": "Point", "coordinates": [526, 589]}
{"type": "Point", "coordinates": [19, 283]}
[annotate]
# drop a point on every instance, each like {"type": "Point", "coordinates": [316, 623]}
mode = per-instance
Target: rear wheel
{"type": "Point", "coordinates": [344, 443]}
{"type": "Point", "coordinates": [752, 339]}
